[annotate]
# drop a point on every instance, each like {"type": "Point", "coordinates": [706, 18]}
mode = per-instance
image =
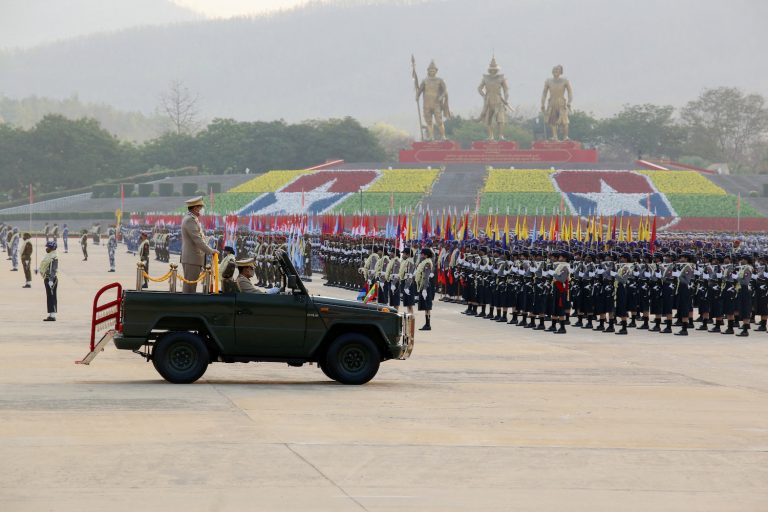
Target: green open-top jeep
{"type": "Point", "coordinates": [182, 333]}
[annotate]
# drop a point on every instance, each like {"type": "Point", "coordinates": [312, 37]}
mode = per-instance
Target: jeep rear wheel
{"type": "Point", "coordinates": [180, 357]}
{"type": "Point", "coordinates": [352, 359]}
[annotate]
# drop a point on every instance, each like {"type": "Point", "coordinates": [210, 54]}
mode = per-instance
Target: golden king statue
{"type": "Point", "coordinates": [495, 92]}
{"type": "Point", "coordinates": [556, 110]}
{"type": "Point", "coordinates": [435, 102]}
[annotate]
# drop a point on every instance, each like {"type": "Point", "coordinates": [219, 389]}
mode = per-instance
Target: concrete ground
{"type": "Point", "coordinates": [484, 416]}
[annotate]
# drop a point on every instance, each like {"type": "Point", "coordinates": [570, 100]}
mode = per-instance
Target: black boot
{"type": "Point", "coordinates": [553, 327]}
{"type": "Point", "coordinates": [579, 322]}
{"type": "Point", "coordinates": [531, 324]}
{"type": "Point", "coordinates": [600, 326]}
{"type": "Point", "coordinates": [729, 330]}
{"type": "Point", "coordinates": [514, 319]}
{"type": "Point", "coordinates": [703, 326]}
{"type": "Point", "coordinates": [683, 330]}
{"type": "Point", "coordinates": [610, 326]}
{"type": "Point", "coordinates": [668, 328]}
{"type": "Point", "coordinates": [427, 326]}
{"type": "Point", "coordinates": [482, 312]}
{"type": "Point", "coordinates": [623, 330]}
{"type": "Point", "coordinates": [561, 330]}
{"type": "Point", "coordinates": [502, 318]}
{"type": "Point", "coordinates": [644, 327]}
{"type": "Point", "coordinates": [761, 327]}
{"type": "Point", "coordinates": [716, 328]}
{"type": "Point", "coordinates": [540, 327]}
{"type": "Point", "coordinates": [467, 311]}
{"type": "Point", "coordinates": [632, 323]}
{"type": "Point", "coordinates": [744, 331]}
{"type": "Point", "coordinates": [656, 326]}
{"type": "Point", "coordinates": [589, 324]}
{"type": "Point", "coordinates": [567, 320]}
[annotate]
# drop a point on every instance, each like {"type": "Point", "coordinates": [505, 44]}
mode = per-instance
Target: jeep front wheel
{"type": "Point", "coordinates": [352, 359]}
{"type": "Point", "coordinates": [180, 357]}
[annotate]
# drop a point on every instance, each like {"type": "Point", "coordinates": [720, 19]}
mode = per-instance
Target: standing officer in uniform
{"type": "Point", "coordinates": [26, 260]}
{"type": "Point", "coordinates": [49, 269]}
{"type": "Point", "coordinates": [425, 286]}
{"type": "Point", "coordinates": [84, 244]}
{"type": "Point", "coordinates": [144, 256]}
{"type": "Point", "coordinates": [194, 248]}
{"type": "Point", "coordinates": [15, 250]}
{"type": "Point", "coordinates": [65, 237]}
{"type": "Point", "coordinates": [111, 248]}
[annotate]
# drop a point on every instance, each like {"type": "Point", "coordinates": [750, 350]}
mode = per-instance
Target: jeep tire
{"type": "Point", "coordinates": [352, 358]}
{"type": "Point", "coordinates": [180, 357]}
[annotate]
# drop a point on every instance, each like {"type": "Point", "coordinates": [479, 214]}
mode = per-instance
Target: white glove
{"type": "Point", "coordinates": [600, 271]}
{"type": "Point", "coordinates": [613, 274]}
{"type": "Point", "coordinates": [705, 276]}
{"type": "Point", "coordinates": [393, 288]}
{"type": "Point", "coordinates": [406, 291]}
{"type": "Point", "coordinates": [734, 276]}
{"type": "Point", "coordinates": [676, 274]}
{"type": "Point", "coordinates": [658, 275]}
{"type": "Point", "coordinates": [591, 274]}
{"type": "Point", "coordinates": [765, 274]}
{"type": "Point", "coordinates": [646, 274]}
{"type": "Point", "coordinates": [424, 293]}
{"type": "Point", "coordinates": [432, 275]}
{"type": "Point", "coordinates": [719, 275]}
{"type": "Point", "coordinates": [581, 274]}
{"type": "Point", "coordinates": [697, 272]}
{"type": "Point", "coordinates": [50, 284]}
{"type": "Point", "coordinates": [636, 274]}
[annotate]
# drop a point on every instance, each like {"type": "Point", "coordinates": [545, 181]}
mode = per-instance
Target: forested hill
{"type": "Point", "coordinates": [329, 60]}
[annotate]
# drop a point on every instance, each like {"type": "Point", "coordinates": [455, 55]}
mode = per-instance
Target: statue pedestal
{"type": "Point", "coordinates": [499, 152]}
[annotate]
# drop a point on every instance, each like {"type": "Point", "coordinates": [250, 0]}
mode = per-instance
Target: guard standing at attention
{"type": "Point", "coordinates": [49, 270]}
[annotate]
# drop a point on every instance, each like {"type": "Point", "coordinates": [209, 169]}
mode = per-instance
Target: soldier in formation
{"type": "Point", "coordinates": [26, 260]}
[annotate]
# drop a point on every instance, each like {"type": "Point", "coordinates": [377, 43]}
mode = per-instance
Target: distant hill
{"type": "Point", "coordinates": [133, 126]}
{"type": "Point", "coordinates": [334, 60]}
{"type": "Point", "coordinates": [25, 23]}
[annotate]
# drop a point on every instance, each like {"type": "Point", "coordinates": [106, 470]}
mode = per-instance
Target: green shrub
{"type": "Point", "coordinates": [753, 193]}
{"type": "Point", "coordinates": [165, 189]}
{"type": "Point", "coordinates": [110, 190]}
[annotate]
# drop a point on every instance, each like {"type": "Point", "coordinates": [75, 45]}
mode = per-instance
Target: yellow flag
{"type": "Point", "coordinates": [578, 228]}
{"type": "Point", "coordinates": [629, 230]}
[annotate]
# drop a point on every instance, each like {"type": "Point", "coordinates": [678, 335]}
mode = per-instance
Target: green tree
{"type": "Point", "coordinates": [727, 125]}
{"type": "Point", "coordinates": [643, 131]}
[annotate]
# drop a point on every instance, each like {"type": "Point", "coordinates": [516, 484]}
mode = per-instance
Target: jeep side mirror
{"type": "Point", "coordinates": [292, 282]}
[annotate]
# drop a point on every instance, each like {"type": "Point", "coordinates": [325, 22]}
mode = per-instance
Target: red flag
{"type": "Point", "coordinates": [613, 233]}
{"type": "Point", "coordinates": [653, 234]}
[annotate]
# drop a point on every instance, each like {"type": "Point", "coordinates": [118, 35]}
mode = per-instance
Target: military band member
{"type": "Point", "coordinates": [26, 260]}
{"type": "Point", "coordinates": [49, 269]}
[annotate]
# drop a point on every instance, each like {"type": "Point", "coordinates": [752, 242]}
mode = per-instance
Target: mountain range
{"type": "Point", "coordinates": [335, 60]}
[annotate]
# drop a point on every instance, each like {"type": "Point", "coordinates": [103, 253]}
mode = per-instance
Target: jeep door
{"type": "Point", "coordinates": [270, 325]}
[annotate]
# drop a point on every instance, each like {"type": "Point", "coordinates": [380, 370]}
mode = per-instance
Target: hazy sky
{"type": "Point", "coordinates": [228, 8]}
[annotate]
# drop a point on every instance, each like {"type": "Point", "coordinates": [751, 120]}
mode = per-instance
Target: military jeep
{"type": "Point", "coordinates": [183, 333]}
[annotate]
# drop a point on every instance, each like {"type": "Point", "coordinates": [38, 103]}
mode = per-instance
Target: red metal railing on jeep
{"type": "Point", "coordinates": [106, 316]}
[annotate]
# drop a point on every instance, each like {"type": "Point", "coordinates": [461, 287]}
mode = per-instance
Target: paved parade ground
{"type": "Point", "coordinates": [484, 416]}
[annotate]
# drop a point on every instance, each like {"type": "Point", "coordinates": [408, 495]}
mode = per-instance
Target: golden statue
{"type": "Point", "coordinates": [435, 101]}
{"type": "Point", "coordinates": [558, 107]}
{"type": "Point", "coordinates": [494, 90]}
